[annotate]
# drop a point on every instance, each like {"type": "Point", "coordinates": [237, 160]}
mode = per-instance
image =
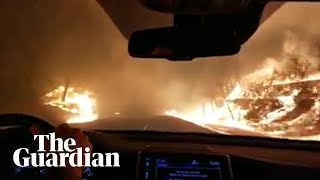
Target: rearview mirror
{"type": "Point", "coordinates": [175, 43]}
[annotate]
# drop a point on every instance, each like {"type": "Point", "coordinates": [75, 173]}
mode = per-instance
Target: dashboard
{"type": "Point", "coordinates": [174, 156]}
{"type": "Point", "coordinates": [170, 166]}
{"type": "Point", "coordinates": [39, 173]}
{"type": "Point", "coordinates": [170, 156]}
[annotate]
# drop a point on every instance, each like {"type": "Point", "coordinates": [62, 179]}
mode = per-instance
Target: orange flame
{"type": "Point", "coordinates": [79, 103]}
{"type": "Point", "coordinates": [282, 99]}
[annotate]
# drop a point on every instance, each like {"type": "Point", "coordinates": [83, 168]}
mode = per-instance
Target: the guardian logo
{"type": "Point", "coordinates": [62, 154]}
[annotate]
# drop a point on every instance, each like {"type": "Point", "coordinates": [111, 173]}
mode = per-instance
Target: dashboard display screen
{"type": "Point", "coordinates": [154, 166]}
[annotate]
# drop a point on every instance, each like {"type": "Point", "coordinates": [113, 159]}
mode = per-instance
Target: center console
{"type": "Point", "coordinates": [176, 166]}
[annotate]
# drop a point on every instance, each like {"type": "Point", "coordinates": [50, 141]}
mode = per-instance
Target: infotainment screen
{"type": "Point", "coordinates": [169, 166]}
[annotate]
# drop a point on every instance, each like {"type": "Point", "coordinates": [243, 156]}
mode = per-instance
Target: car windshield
{"type": "Point", "coordinates": [67, 61]}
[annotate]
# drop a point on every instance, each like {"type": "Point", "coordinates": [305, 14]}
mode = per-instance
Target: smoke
{"type": "Point", "coordinates": [295, 49]}
{"type": "Point", "coordinates": [44, 43]}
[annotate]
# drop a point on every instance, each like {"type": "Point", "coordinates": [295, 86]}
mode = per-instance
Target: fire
{"type": "Point", "coordinates": [210, 113]}
{"type": "Point", "coordinates": [282, 99]}
{"type": "Point", "coordinates": [267, 110]}
{"type": "Point", "coordinates": [77, 102]}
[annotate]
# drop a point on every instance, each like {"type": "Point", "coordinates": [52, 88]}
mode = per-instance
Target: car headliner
{"type": "Point", "coordinates": [129, 15]}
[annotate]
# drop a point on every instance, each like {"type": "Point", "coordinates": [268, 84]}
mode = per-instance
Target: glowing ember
{"type": "Point", "coordinates": [79, 103]}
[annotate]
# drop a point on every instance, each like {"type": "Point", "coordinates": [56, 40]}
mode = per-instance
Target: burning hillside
{"type": "Point", "coordinates": [287, 103]}
{"type": "Point", "coordinates": [282, 99]}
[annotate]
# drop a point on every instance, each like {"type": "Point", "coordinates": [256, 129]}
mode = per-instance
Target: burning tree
{"type": "Point", "coordinates": [79, 103]}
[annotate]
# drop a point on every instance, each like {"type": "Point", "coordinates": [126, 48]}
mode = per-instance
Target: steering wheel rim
{"type": "Point", "coordinates": [25, 120]}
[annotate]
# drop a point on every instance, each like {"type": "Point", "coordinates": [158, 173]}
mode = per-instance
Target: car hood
{"type": "Point", "coordinates": [155, 123]}
{"type": "Point", "coordinates": [161, 124]}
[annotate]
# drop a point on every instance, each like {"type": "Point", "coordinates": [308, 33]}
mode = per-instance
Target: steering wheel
{"type": "Point", "coordinates": [26, 121]}
{"type": "Point", "coordinates": [14, 141]}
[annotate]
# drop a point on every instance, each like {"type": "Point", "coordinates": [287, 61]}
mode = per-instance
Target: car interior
{"type": "Point", "coordinates": [183, 89]}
